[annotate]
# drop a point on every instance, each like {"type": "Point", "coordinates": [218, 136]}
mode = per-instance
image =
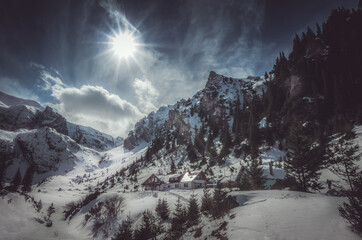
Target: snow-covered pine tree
{"type": "Point", "coordinates": [162, 209]}
{"type": "Point", "coordinates": [352, 210]}
{"type": "Point", "coordinates": [219, 206]}
{"type": "Point", "coordinates": [256, 174]}
{"type": "Point", "coordinates": [50, 210]}
{"type": "Point", "coordinates": [125, 230]}
{"type": "Point", "coordinates": [303, 160]}
{"type": "Point", "coordinates": [178, 221]}
{"type": "Point", "coordinates": [193, 213]}
{"type": "Point", "coordinates": [244, 183]}
{"type": "Point", "coordinates": [148, 228]}
{"type": "Point", "coordinates": [343, 158]}
{"type": "Point", "coordinates": [206, 202]}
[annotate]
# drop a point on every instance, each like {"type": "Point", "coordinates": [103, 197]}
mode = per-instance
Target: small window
{"type": "Point", "coordinates": [186, 185]}
{"type": "Point", "coordinates": [177, 186]}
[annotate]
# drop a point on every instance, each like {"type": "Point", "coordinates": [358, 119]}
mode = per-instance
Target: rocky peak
{"type": "Point", "coordinates": [145, 130]}
{"type": "Point", "coordinates": [54, 120]}
{"type": "Point", "coordinates": [214, 80]}
{"type": "Point", "coordinates": [216, 99]}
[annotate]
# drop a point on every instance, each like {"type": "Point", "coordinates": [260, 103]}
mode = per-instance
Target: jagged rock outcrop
{"type": "Point", "coordinates": [145, 130]}
{"type": "Point", "coordinates": [17, 117]}
{"type": "Point", "coordinates": [50, 118]}
{"type": "Point", "coordinates": [6, 150]}
{"type": "Point", "coordinates": [215, 100]}
{"type": "Point", "coordinates": [90, 137]}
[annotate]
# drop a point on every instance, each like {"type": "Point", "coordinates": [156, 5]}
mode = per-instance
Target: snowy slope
{"type": "Point", "coordinates": [10, 101]}
{"type": "Point", "coordinates": [261, 215]}
{"type": "Point", "coordinates": [288, 215]}
{"type": "Point", "coordinates": [90, 137]}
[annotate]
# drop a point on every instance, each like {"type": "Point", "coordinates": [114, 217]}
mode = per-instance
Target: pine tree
{"type": "Point", "coordinates": [178, 226]}
{"type": "Point", "coordinates": [15, 183]}
{"type": "Point", "coordinates": [125, 230]}
{"type": "Point", "coordinates": [352, 210]}
{"type": "Point", "coordinates": [271, 170]}
{"type": "Point", "coordinates": [193, 213]}
{"type": "Point", "coordinates": [162, 209]}
{"type": "Point", "coordinates": [38, 205]}
{"type": "Point", "coordinates": [148, 228]}
{"type": "Point", "coordinates": [173, 166]}
{"type": "Point", "coordinates": [244, 183]}
{"type": "Point", "coordinates": [219, 206]}
{"type": "Point", "coordinates": [191, 153]}
{"type": "Point", "coordinates": [303, 160]}
{"type": "Point", "coordinates": [28, 179]}
{"type": "Point", "coordinates": [206, 202]}
{"type": "Point", "coordinates": [256, 174]}
{"type": "Point", "coordinates": [50, 210]}
{"type": "Point", "coordinates": [344, 157]}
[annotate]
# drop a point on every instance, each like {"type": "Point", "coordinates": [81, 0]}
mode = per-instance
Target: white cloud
{"type": "Point", "coordinates": [92, 106]}
{"type": "Point", "coordinates": [147, 95]}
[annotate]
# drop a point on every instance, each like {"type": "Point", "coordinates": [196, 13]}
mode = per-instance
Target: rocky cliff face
{"type": "Point", "coordinates": [91, 138]}
{"type": "Point", "coordinates": [50, 118]}
{"type": "Point", "coordinates": [145, 130]}
{"type": "Point", "coordinates": [17, 117]}
{"type": "Point", "coordinates": [216, 100]}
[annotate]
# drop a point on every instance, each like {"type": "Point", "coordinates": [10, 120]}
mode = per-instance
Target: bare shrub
{"type": "Point", "coordinates": [106, 215]}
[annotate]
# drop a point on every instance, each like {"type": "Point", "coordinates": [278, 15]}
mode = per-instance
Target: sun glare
{"type": "Point", "coordinates": [124, 45]}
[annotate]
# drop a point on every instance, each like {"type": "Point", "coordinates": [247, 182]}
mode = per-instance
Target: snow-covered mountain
{"type": "Point", "coordinates": [11, 101]}
{"type": "Point", "coordinates": [68, 172]}
{"type": "Point", "coordinates": [16, 113]}
{"type": "Point", "coordinates": [237, 131]}
{"type": "Point", "coordinates": [216, 99]}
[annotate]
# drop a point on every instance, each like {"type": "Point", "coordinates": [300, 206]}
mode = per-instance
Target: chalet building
{"type": "Point", "coordinates": [188, 180]}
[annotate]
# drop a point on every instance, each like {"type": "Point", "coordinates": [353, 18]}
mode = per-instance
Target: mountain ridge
{"type": "Point", "coordinates": [17, 113]}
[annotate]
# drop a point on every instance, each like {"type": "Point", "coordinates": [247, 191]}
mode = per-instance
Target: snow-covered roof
{"type": "Point", "coordinates": [187, 177]}
{"type": "Point", "coordinates": [190, 176]}
{"type": "Point", "coordinates": [166, 178]}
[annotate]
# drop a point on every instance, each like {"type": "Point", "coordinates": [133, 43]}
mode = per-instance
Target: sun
{"type": "Point", "coordinates": [124, 45]}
